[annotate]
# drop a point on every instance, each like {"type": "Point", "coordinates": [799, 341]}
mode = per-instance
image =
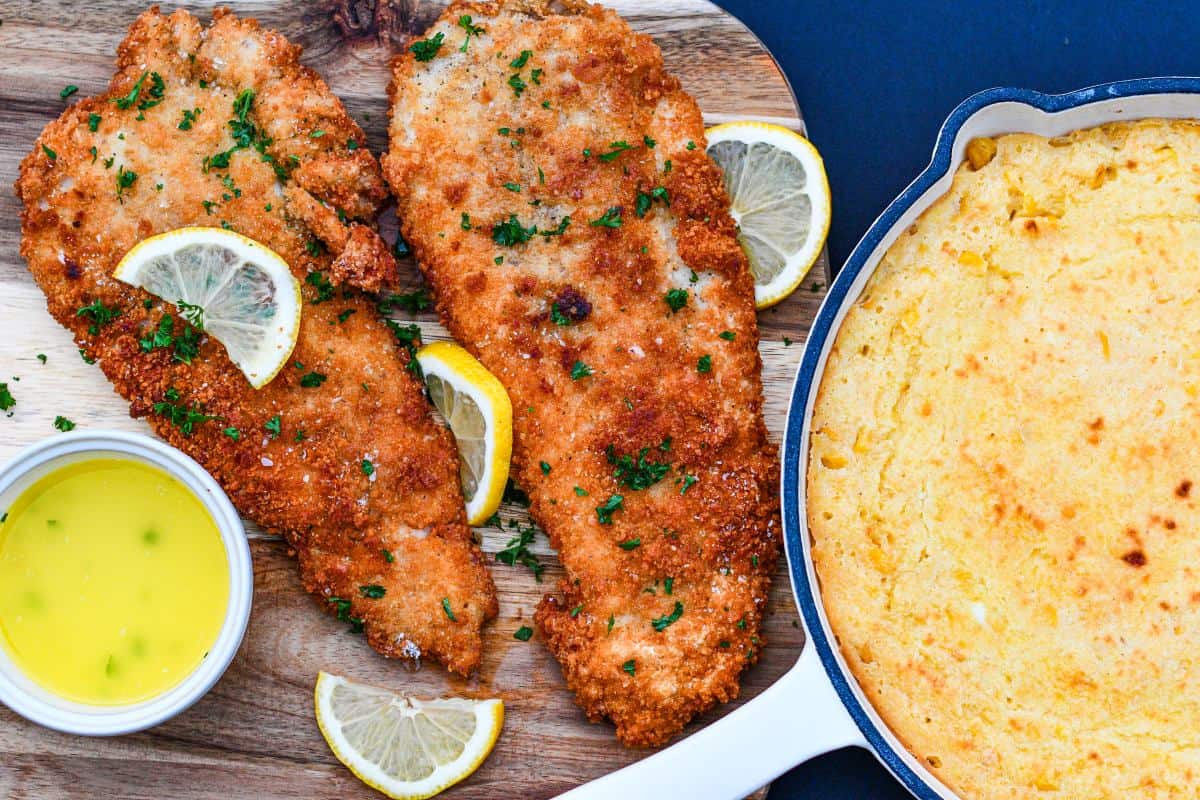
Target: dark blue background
{"type": "Point", "coordinates": [876, 79]}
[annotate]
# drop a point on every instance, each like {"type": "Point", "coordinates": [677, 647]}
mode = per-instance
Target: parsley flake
{"type": "Point", "coordinates": [637, 474]}
{"type": "Point", "coordinates": [676, 299]}
{"type": "Point", "coordinates": [511, 233]}
{"type": "Point", "coordinates": [312, 380]}
{"type": "Point", "coordinates": [446, 600]}
{"type": "Point", "coordinates": [63, 424]}
{"type": "Point", "coordinates": [233, 433]}
{"type": "Point", "coordinates": [580, 370]}
{"type": "Point", "coordinates": [611, 219]}
{"type": "Point", "coordinates": [274, 425]}
{"type": "Point", "coordinates": [372, 591]}
{"type": "Point", "coordinates": [604, 512]}
{"type": "Point", "coordinates": [704, 364]}
{"type": "Point", "coordinates": [99, 314]}
{"type": "Point", "coordinates": [50, 154]}
{"type": "Point", "coordinates": [630, 544]}
{"type": "Point", "coordinates": [617, 148]}
{"type": "Point", "coordinates": [523, 633]}
{"type": "Point", "coordinates": [662, 623]}
{"type": "Point", "coordinates": [465, 22]}
{"type": "Point", "coordinates": [630, 666]}
{"type": "Point", "coordinates": [368, 468]}
{"type": "Point", "coordinates": [426, 49]}
{"type": "Point", "coordinates": [518, 85]}
{"type": "Point", "coordinates": [728, 336]}
{"type": "Point", "coordinates": [67, 91]}
{"type": "Point", "coordinates": [93, 122]}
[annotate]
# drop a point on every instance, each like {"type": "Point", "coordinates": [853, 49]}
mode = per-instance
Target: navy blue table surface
{"type": "Point", "coordinates": [876, 79]}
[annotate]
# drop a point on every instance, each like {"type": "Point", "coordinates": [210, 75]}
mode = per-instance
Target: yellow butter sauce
{"type": "Point", "coordinates": [113, 581]}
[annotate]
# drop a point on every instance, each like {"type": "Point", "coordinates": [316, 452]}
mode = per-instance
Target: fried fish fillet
{"type": "Point", "coordinates": [223, 127]}
{"type": "Point", "coordinates": [552, 179]}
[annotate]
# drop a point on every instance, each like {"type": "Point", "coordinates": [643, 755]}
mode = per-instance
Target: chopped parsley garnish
{"type": "Point", "coordinates": [535, 75]}
{"type": "Point", "coordinates": [351, 144]}
{"type": "Point", "coordinates": [513, 187]}
{"type": "Point", "coordinates": [669, 586]}
{"type": "Point", "coordinates": [233, 433]}
{"type": "Point", "coordinates": [604, 512]}
{"type": "Point", "coordinates": [300, 436]}
{"type": "Point", "coordinates": [372, 591]}
{"type": "Point", "coordinates": [312, 379]}
{"type": "Point", "coordinates": [676, 299]}
{"type": "Point", "coordinates": [41, 357]}
{"type": "Point", "coordinates": [563, 224]}
{"type": "Point", "coordinates": [274, 425]}
{"type": "Point", "coordinates": [511, 233]}
{"type": "Point", "coordinates": [99, 314]}
{"type": "Point", "coordinates": [314, 248]}
{"type": "Point", "coordinates": [93, 122]}
{"type": "Point", "coordinates": [617, 148]}
{"type": "Point", "coordinates": [636, 474]}
{"type": "Point", "coordinates": [523, 634]}
{"type": "Point", "coordinates": [409, 337]}
{"type": "Point", "coordinates": [50, 154]}
{"type": "Point", "coordinates": [63, 424]}
{"type": "Point", "coordinates": [208, 206]}
{"type": "Point", "coordinates": [631, 544]}
{"type": "Point", "coordinates": [368, 468]}
{"type": "Point", "coordinates": [345, 315]}
{"type": "Point", "coordinates": [191, 312]}
{"type": "Point", "coordinates": [545, 466]}
{"type": "Point", "coordinates": [630, 666]}
{"type": "Point", "coordinates": [388, 557]}
{"type": "Point", "coordinates": [125, 180]}
{"type": "Point", "coordinates": [611, 219]}
{"type": "Point", "coordinates": [662, 623]}
{"type": "Point", "coordinates": [189, 117]}
{"type": "Point", "coordinates": [521, 60]}
{"type": "Point", "coordinates": [728, 336]}
{"type": "Point", "coordinates": [410, 301]}
{"type": "Point", "coordinates": [465, 23]}
{"type": "Point", "coordinates": [704, 364]}
{"type": "Point", "coordinates": [580, 370]}
{"type": "Point", "coordinates": [67, 91]}
{"type": "Point", "coordinates": [343, 613]}
{"type": "Point", "coordinates": [186, 345]}
{"type": "Point", "coordinates": [465, 224]}
{"type": "Point", "coordinates": [446, 600]}
{"type": "Point", "coordinates": [155, 93]}
{"type": "Point", "coordinates": [649, 142]}
{"type": "Point", "coordinates": [317, 134]}
{"type": "Point", "coordinates": [183, 417]}
{"type": "Point", "coordinates": [691, 145]}
{"type": "Point", "coordinates": [324, 288]}
{"type": "Point", "coordinates": [518, 85]}
{"type": "Point", "coordinates": [426, 49]}
{"type": "Point", "coordinates": [660, 193]}
{"type": "Point", "coordinates": [517, 552]}
{"type": "Point", "coordinates": [86, 358]}
{"type": "Point", "coordinates": [580, 491]}
{"type": "Point", "coordinates": [575, 611]}
{"type": "Point", "coordinates": [642, 205]}
{"type": "Point", "coordinates": [688, 482]}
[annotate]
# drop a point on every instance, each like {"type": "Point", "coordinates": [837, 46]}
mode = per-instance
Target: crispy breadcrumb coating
{"type": "Point", "coordinates": [553, 182]}
{"type": "Point", "coordinates": [290, 456]}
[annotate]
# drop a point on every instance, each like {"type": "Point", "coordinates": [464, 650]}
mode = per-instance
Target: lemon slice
{"type": "Point", "coordinates": [405, 747]}
{"type": "Point", "coordinates": [239, 291]}
{"type": "Point", "coordinates": [477, 409]}
{"type": "Point", "coordinates": [779, 196]}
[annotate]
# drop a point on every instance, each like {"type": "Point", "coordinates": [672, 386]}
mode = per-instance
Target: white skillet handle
{"type": "Point", "coordinates": [797, 718]}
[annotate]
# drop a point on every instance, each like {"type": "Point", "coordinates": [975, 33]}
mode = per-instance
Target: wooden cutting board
{"type": "Point", "coordinates": [254, 735]}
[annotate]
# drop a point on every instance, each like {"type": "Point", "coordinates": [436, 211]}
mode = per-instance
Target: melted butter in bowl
{"type": "Point", "coordinates": [125, 582]}
{"type": "Point", "coordinates": [113, 581]}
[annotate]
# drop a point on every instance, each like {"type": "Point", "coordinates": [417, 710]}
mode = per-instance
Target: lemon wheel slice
{"type": "Point", "coordinates": [477, 409]}
{"type": "Point", "coordinates": [241, 292]}
{"type": "Point", "coordinates": [779, 196]}
{"type": "Point", "coordinates": [405, 747]}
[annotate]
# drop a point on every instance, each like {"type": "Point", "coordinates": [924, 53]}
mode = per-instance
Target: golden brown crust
{"type": "Point", "coordinates": [461, 130]}
{"type": "Point", "coordinates": [1000, 487]}
{"type": "Point", "coordinates": [313, 489]}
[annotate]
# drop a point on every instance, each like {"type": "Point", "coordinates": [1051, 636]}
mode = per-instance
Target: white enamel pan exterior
{"type": "Point", "coordinates": [817, 706]}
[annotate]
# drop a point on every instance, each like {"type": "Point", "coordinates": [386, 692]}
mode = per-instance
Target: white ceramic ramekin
{"type": "Point", "coordinates": [33, 702]}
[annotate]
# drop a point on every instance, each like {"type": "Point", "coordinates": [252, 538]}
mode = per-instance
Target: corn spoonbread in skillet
{"type": "Point", "coordinates": [552, 179]}
{"type": "Point", "coordinates": [223, 127]}
{"type": "Point", "coordinates": [1005, 469]}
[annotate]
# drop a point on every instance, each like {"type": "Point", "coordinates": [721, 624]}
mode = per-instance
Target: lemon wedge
{"type": "Point", "coordinates": [239, 291]}
{"type": "Point", "coordinates": [779, 196]}
{"type": "Point", "coordinates": [407, 748]}
{"type": "Point", "coordinates": [477, 409]}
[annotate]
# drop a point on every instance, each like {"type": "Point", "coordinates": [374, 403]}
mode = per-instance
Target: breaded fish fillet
{"type": "Point", "coordinates": [553, 181]}
{"type": "Point", "coordinates": [224, 127]}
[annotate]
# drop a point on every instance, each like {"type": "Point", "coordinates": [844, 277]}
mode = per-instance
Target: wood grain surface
{"type": "Point", "coordinates": [254, 735]}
